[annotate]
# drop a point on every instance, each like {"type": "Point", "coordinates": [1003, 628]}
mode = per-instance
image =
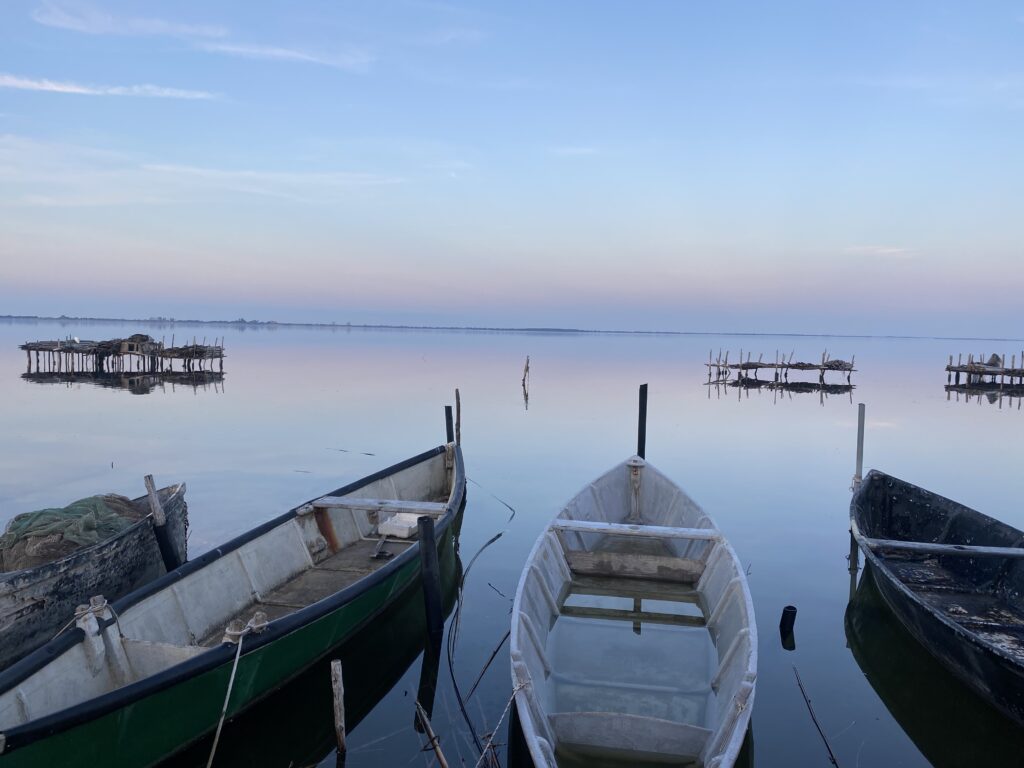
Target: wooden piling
{"type": "Point", "coordinates": [860, 446]}
{"type": "Point", "coordinates": [449, 426]}
{"type": "Point", "coordinates": [641, 428]}
{"type": "Point", "coordinates": [458, 417]}
{"type": "Point", "coordinates": [430, 572]}
{"type": "Point", "coordinates": [338, 687]}
{"type": "Point", "coordinates": [168, 552]}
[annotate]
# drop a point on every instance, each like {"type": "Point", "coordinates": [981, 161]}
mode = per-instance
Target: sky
{"type": "Point", "coordinates": [805, 167]}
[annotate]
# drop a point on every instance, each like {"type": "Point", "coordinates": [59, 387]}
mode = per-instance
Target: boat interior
{"type": "Point", "coordinates": [980, 588]}
{"type": "Point", "coordinates": [634, 571]}
{"type": "Point", "coordinates": [327, 545]}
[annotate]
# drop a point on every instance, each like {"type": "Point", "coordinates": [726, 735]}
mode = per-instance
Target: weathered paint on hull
{"type": "Point", "coordinates": [146, 731]}
{"type": "Point", "coordinates": [35, 603]}
{"type": "Point", "coordinates": [996, 680]}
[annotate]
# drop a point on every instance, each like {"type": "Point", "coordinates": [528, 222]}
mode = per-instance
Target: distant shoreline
{"type": "Point", "coordinates": [272, 324]}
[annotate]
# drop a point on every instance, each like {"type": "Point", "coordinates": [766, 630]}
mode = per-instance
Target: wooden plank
{"type": "Point", "coordinates": [432, 508]}
{"type": "Point", "coordinates": [644, 589]}
{"type": "Point", "coordinates": [631, 733]}
{"type": "Point", "coordinates": [965, 550]}
{"type": "Point", "coordinates": [645, 617]}
{"type": "Point", "coordinates": [680, 570]}
{"type": "Point", "coordinates": [625, 529]}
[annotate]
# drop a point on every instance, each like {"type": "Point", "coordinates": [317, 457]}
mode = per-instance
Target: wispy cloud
{"type": "Point", "coordinates": [91, 21]}
{"type": "Point", "coordinates": [577, 150]}
{"type": "Point", "coordinates": [353, 60]}
{"type": "Point", "coordinates": [64, 86]}
{"type": "Point", "coordinates": [54, 174]}
{"type": "Point", "coordinates": [206, 37]}
{"type": "Point", "coordinates": [291, 185]}
{"type": "Point", "coordinates": [880, 251]}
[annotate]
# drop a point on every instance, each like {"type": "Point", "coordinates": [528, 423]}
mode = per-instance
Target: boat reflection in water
{"type": "Point", "coordinates": [946, 720]}
{"type": "Point", "coordinates": [294, 727]}
{"type": "Point", "coordinates": [519, 753]}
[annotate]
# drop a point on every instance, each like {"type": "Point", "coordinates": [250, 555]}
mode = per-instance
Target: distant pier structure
{"type": "Point", "coordinates": [720, 374]}
{"type": "Point", "coordinates": [720, 370]}
{"type": "Point", "coordinates": [138, 352]}
{"type": "Point", "coordinates": [989, 378]}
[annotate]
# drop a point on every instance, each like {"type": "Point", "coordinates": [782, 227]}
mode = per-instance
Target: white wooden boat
{"type": "Point", "coordinates": [599, 674]}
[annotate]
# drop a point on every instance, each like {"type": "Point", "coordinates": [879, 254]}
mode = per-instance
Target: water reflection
{"type": "Point", "coordinates": [948, 723]}
{"type": "Point", "coordinates": [295, 725]}
{"type": "Point", "coordinates": [136, 384]}
{"type": "Point", "coordinates": [747, 384]}
{"type": "Point", "coordinates": [992, 393]}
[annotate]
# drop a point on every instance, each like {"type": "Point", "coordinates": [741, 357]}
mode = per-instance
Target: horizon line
{"type": "Point", "coordinates": [487, 329]}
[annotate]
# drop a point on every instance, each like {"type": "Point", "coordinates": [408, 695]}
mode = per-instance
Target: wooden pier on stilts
{"type": "Point", "coordinates": [140, 353]}
{"type": "Point", "coordinates": [990, 378]}
{"type": "Point", "coordinates": [721, 373]}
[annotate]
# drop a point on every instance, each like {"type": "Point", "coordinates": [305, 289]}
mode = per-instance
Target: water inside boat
{"type": "Point", "coordinates": [616, 647]}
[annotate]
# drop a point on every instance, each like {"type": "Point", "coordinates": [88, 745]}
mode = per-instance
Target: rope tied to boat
{"type": "Point", "coordinates": [487, 747]}
{"type": "Point", "coordinates": [235, 632]}
{"type": "Point", "coordinates": [97, 605]}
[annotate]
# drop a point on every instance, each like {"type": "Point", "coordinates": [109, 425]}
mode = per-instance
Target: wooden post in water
{"type": "Point", "coordinates": [458, 417]}
{"type": "Point", "coordinates": [430, 571]}
{"type": "Point", "coordinates": [641, 428]}
{"type": "Point", "coordinates": [860, 446]}
{"type": "Point", "coordinates": [338, 687]}
{"type": "Point", "coordinates": [163, 538]}
{"type": "Point", "coordinates": [449, 427]}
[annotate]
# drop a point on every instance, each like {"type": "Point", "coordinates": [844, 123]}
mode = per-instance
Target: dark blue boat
{"type": "Point", "coordinates": [955, 579]}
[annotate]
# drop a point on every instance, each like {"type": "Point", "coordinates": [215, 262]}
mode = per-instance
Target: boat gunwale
{"type": "Point", "coordinates": [26, 733]}
{"type": "Point", "coordinates": [522, 697]}
{"type": "Point", "coordinates": [71, 559]}
{"type": "Point", "coordinates": [858, 503]}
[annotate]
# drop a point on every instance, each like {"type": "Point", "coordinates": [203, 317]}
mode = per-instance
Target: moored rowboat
{"type": "Point", "coordinates": [143, 678]}
{"type": "Point", "coordinates": [597, 674]}
{"type": "Point", "coordinates": [35, 602]}
{"type": "Point", "coordinates": [954, 577]}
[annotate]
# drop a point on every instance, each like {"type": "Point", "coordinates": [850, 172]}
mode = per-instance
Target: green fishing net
{"type": "Point", "coordinates": [34, 538]}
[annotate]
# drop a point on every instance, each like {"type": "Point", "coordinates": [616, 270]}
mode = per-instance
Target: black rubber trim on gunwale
{"type": "Point", "coordinates": [27, 733]}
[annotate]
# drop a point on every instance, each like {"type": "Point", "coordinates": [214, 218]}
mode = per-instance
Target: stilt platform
{"type": "Point", "coordinates": [138, 353]}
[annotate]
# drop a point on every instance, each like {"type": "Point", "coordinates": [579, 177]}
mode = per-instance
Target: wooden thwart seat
{"type": "Point", "coordinates": [431, 508]}
{"type": "Point", "coordinates": [927, 548]}
{"type": "Point", "coordinates": [625, 529]}
{"type": "Point", "coordinates": [636, 734]}
{"type": "Point", "coordinates": [642, 617]}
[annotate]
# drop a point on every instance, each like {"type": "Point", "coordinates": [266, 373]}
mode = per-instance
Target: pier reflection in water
{"type": "Point", "coordinates": [294, 726]}
{"type": "Point", "coordinates": [136, 384]}
{"type": "Point", "coordinates": [948, 722]}
{"type": "Point", "coordinates": [780, 389]}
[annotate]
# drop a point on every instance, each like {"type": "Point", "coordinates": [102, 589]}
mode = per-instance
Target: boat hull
{"type": "Point", "coordinates": [36, 602]}
{"type": "Point", "coordinates": [159, 715]}
{"type": "Point", "coordinates": [168, 720]}
{"type": "Point", "coordinates": [990, 675]}
{"type": "Point", "coordinates": [887, 509]}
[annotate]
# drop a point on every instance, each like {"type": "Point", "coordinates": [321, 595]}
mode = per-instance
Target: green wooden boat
{"type": "Point", "coordinates": [134, 682]}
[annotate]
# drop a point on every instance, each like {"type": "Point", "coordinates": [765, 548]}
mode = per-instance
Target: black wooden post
{"type": "Point", "coordinates": [430, 572]}
{"type": "Point", "coordinates": [641, 429]}
{"type": "Point", "coordinates": [449, 425]}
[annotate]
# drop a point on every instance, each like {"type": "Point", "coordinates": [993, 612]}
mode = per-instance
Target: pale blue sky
{"type": "Point", "coordinates": [804, 167]}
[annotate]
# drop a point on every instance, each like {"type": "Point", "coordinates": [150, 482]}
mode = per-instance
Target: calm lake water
{"type": "Point", "coordinates": [301, 411]}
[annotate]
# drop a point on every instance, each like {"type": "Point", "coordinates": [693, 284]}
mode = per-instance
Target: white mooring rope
{"type": "Point", "coordinates": [256, 624]}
